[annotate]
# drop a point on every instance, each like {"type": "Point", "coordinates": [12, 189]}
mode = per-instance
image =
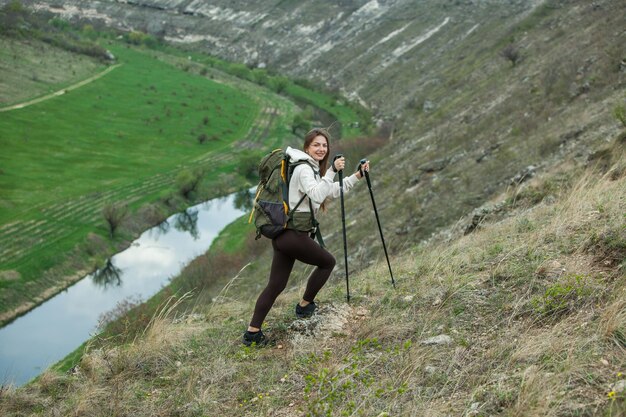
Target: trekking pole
{"type": "Point", "coordinates": [343, 223]}
{"type": "Point", "coordinates": [380, 229]}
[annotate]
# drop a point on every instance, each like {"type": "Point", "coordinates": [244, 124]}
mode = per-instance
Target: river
{"type": "Point", "coordinates": [51, 331]}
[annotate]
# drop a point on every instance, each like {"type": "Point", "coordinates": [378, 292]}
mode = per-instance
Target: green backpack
{"type": "Point", "coordinates": [271, 213]}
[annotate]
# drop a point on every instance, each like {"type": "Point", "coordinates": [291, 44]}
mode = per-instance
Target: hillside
{"type": "Point", "coordinates": [523, 317]}
{"type": "Point", "coordinates": [500, 179]}
{"type": "Point", "coordinates": [467, 121]}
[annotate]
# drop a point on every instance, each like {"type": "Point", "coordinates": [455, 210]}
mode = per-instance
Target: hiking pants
{"type": "Point", "coordinates": [289, 246]}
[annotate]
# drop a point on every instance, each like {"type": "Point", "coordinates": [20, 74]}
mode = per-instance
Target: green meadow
{"type": "Point", "coordinates": [141, 119]}
{"type": "Point", "coordinates": [124, 138]}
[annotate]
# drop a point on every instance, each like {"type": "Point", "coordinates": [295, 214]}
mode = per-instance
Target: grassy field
{"type": "Point", "coordinates": [27, 71]}
{"type": "Point", "coordinates": [354, 120]}
{"type": "Point", "coordinates": [140, 120]}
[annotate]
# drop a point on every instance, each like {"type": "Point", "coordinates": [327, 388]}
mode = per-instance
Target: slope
{"type": "Point", "coordinates": [524, 316]}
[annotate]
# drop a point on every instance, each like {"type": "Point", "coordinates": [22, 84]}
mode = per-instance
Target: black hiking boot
{"type": "Point", "coordinates": [256, 338]}
{"type": "Point", "coordinates": [305, 312]}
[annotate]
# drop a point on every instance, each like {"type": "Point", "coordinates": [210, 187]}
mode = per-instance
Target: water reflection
{"type": "Point", "coordinates": [108, 276]}
{"type": "Point", "coordinates": [164, 227]}
{"type": "Point", "coordinates": [187, 221]}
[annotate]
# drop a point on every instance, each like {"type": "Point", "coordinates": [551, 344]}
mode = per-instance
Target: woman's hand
{"type": "Point", "coordinates": [362, 168]}
{"type": "Point", "coordinates": [339, 164]}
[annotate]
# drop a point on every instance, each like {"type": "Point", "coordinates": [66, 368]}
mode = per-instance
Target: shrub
{"type": "Point", "coordinates": [121, 309]}
{"type": "Point", "coordinates": [14, 19]}
{"type": "Point", "coordinates": [95, 244]}
{"type": "Point", "coordinates": [511, 53]}
{"type": "Point", "coordinates": [563, 296]}
{"type": "Point", "coordinates": [260, 76]}
{"type": "Point", "coordinates": [60, 24]}
{"type": "Point", "coordinates": [300, 123]}
{"type": "Point", "coordinates": [279, 84]}
{"type": "Point", "coordinates": [89, 31]}
{"type": "Point", "coordinates": [187, 182]}
{"type": "Point", "coordinates": [202, 137]}
{"type": "Point", "coordinates": [249, 164]}
{"type": "Point", "coordinates": [620, 114]}
{"type": "Point", "coordinates": [114, 214]}
{"type": "Point", "coordinates": [240, 71]}
{"type": "Point", "coordinates": [138, 37]}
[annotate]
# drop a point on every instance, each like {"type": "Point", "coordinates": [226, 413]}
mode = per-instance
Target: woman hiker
{"type": "Point", "coordinates": [316, 181]}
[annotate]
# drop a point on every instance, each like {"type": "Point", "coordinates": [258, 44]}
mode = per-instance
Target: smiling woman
{"type": "Point", "coordinates": [311, 183]}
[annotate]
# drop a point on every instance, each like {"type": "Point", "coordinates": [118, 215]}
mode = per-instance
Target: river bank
{"type": "Point", "coordinates": [56, 327]}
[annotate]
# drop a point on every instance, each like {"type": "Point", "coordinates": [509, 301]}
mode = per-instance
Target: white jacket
{"type": "Point", "coordinates": [306, 179]}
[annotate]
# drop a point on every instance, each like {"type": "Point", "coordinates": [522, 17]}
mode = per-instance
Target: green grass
{"type": "Point", "coordinates": [27, 72]}
{"type": "Point", "coordinates": [355, 120]}
{"type": "Point", "coordinates": [232, 238]}
{"type": "Point", "coordinates": [122, 138]}
{"type": "Point", "coordinates": [141, 119]}
{"type": "Point", "coordinates": [354, 123]}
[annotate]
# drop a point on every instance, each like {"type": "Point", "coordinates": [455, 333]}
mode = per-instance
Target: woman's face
{"type": "Point", "coordinates": [318, 148]}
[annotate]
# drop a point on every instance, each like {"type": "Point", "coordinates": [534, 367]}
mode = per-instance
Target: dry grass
{"type": "Point", "coordinates": [508, 354]}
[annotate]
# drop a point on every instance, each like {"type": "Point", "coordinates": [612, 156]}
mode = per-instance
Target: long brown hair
{"type": "Point", "coordinates": [308, 138]}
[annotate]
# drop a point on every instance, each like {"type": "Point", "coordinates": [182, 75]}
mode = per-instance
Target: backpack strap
{"type": "Point", "coordinates": [316, 234]}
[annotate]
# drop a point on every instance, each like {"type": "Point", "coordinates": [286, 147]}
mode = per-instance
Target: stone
{"type": "Point", "coordinates": [526, 174]}
{"type": "Point", "coordinates": [435, 165]}
{"type": "Point", "coordinates": [430, 370]}
{"type": "Point", "coordinates": [620, 386]}
{"type": "Point", "coordinates": [428, 106]}
{"type": "Point", "coordinates": [442, 339]}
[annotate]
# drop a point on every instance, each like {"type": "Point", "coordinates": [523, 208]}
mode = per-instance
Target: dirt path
{"type": "Point", "coordinates": [60, 92]}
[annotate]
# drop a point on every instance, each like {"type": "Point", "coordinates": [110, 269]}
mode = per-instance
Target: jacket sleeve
{"type": "Point", "coordinates": [319, 190]}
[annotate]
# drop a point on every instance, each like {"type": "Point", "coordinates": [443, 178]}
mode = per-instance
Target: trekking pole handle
{"type": "Point", "coordinates": [365, 173]}
{"type": "Point", "coordinates": [335, 158]}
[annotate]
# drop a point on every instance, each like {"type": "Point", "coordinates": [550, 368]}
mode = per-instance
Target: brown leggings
{"type": "Point", "coordinates": [289, 246]}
